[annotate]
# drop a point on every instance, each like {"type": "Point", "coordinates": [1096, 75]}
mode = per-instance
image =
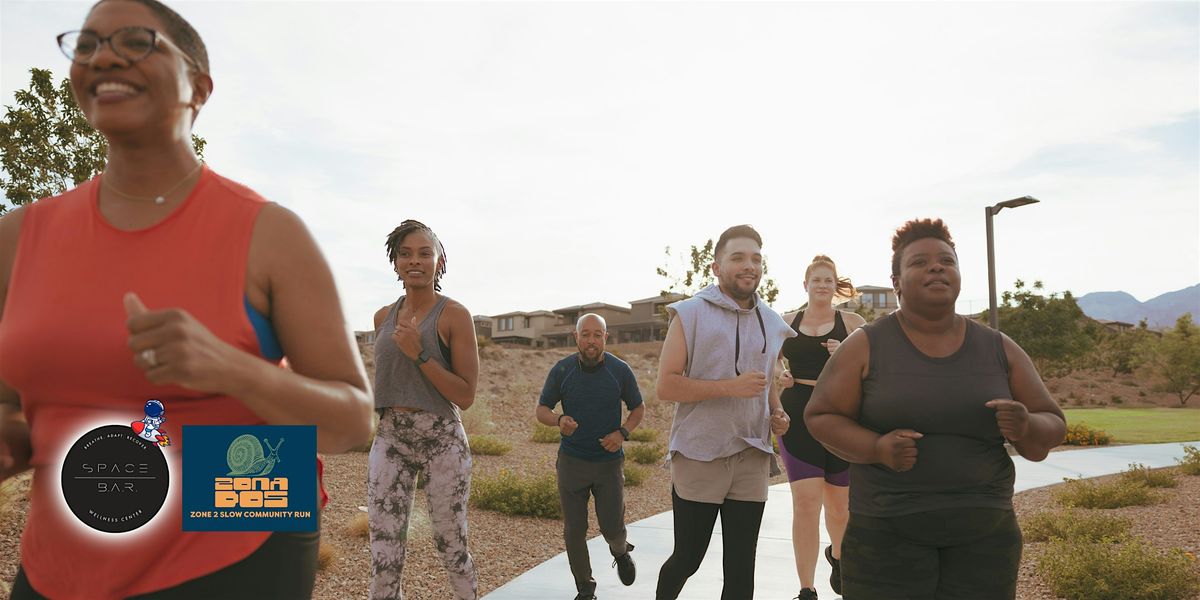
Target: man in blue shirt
{"type": "Point", "coordinates": [591, 384]}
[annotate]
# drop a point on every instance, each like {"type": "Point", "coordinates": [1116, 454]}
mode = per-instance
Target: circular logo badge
{"type": "Point", "coordinates": [113, 480]}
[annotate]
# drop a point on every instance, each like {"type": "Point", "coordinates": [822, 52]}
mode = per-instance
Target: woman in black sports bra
{"type": "Point", "coordinates": [816, 476]}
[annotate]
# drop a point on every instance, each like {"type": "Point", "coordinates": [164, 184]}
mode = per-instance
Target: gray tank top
{"type": "Point", "coordinates": [961, 461]}
{"type": "Point", "coordinates": [398, 379]}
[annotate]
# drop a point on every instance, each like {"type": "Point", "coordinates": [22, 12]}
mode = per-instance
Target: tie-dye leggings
{"type": "Point", "coordinates": [407, 443]}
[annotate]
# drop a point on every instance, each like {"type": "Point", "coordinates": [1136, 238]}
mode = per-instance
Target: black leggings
{"type": "Point", "coordinates": [694, 522]}
{"type": "Point", "coordinates": [284, 567]}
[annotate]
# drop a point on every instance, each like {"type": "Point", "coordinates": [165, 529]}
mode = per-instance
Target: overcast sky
{"type": "Point", "coordinates": [558, 148]}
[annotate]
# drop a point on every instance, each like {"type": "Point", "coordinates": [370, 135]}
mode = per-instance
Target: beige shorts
{"type": "Point", "coordinates": [742, 476]}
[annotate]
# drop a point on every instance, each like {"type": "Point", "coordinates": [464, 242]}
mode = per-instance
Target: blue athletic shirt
{"type": "Point", "coordinates": [593, 398]}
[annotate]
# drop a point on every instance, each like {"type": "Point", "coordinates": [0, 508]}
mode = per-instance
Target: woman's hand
{"type": "Point", "coordinates": [408, 338]}
{"type": "Point", "coordinates": [831, 345]}
{"type": "Point", "coordinates": [1012, 417]}
{"type": "Point", "coordinates": [172, 348]}
{"type": "Point", "coordinates": [898, 450]}
{"type": "Point", "coordinates": [785, 380]}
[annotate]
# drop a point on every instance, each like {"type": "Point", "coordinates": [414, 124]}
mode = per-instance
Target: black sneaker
{"type": "Point", "coordinates": [585, 596]}
{"type": "Point", "coordinates": [626, 570]}
{"type": "Point", "coordinates": [806, 594]}
{"type": "Point", "coordinates": [835, 577]}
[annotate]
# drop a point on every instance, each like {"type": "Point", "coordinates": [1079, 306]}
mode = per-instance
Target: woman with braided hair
{"type": "Point", "coordinates": [426, 368]}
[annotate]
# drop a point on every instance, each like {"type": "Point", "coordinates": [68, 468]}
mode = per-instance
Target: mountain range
{"type": "Point", "coordinates": [1159, 312]}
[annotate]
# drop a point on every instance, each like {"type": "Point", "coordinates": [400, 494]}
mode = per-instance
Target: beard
{"type": "Point", "coordinates": [735, 288]}
{"type": "Point", "coordinates": [590, 361]}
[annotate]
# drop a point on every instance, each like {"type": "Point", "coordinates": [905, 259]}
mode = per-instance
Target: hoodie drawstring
{"type": "Point", "coordinates": [737, 343]}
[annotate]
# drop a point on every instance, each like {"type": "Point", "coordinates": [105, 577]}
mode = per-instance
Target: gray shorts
{"type": "Point", "coordinates": [742, 476]}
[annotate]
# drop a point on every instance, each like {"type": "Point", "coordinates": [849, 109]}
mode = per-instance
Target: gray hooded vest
{"type": "Point", "coordinates": [723, 341]}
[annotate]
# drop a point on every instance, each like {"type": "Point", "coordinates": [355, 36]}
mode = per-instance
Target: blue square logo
{"type": "Point", "coordinates": [249, 478]}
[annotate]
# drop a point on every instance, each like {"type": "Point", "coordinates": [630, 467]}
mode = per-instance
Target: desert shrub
{"type": "Point", "coordinates": [1079, 434]}
{"type": "Point", "coordinates": [644, 454]}
{"type": "Point", "coordinates": [478, 418]}
{"type": "Point", "coordinates": [1114, 493]}
{"type": "Point", "coordinates": [1132, 570]}
{"type": "Point", "coordinates": [513, 494]}
{"type": "Point", "coordinates": [487, 445]}
{"type": "Point", "coordinates": [546, 434]}
{"type": "Point", "coordinates": [1074, 525]}
{"type": "Point", "coordinates": [1142, 474]}
{"type": "Point", "coordinates": [644, 435]}
{"type": "Point", "coordinates": [359, 526]}
{"type": "Point", "coordinates": [326, 554]}
{"type": "Point", "coordinates": [1190, 463]}
{"type": "Point", "coordinates": [483, 342]}
{"type": "Point", "coordinates": [634, 476]}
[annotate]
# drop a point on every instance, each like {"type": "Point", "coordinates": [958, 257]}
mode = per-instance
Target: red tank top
{"type": "Point", "coordinates": [63, 349]}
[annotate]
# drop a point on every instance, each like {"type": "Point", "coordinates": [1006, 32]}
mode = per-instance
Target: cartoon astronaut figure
{"type": "Point", "coordinates": [149, 427]}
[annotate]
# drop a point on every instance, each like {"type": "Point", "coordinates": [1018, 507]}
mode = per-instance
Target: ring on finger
{"type": "Point", "coordinates": [149, 357]}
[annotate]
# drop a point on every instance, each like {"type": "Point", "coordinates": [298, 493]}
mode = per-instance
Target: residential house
{"type": "Point", "coordinates": [523, 328]}
{"type": "Point", "coordinates": [647, 320]}
{"type": "Point", "coordinates": [562, 334]}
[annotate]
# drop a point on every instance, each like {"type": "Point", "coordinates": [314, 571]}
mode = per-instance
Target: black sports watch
{"type": "Point", "coordinates": [624, 432]}
{"type": "Point", "coordinates": [422, 358]}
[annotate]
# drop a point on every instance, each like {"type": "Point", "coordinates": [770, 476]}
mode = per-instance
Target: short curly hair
{"type": "Point", "coordinates": [178, 29]}
{"type": "Point", "coordinates": [917, 229]}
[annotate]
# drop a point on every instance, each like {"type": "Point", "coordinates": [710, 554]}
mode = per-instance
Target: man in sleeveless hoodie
{"type": "Point", "coordinates": [722, 349]}
{"type": "Point", "coordinates": [920, 402]}
{"type": "Point", "coordinates": [591, 385]}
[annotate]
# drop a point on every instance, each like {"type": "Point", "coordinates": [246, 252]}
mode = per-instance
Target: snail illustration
{"type": "Point", "coordinates": [245, 456]}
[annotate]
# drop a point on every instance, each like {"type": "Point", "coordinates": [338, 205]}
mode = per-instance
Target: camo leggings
{"type": "Point", "coordinates": [407, 443]}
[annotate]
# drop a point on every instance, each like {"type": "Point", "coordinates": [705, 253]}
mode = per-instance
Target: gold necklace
{"type": "Point", "coordinates": [159, 199]}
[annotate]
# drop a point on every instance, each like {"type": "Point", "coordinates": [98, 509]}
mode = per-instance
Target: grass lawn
{"type": "Point", "coordinates": [1141, 425]}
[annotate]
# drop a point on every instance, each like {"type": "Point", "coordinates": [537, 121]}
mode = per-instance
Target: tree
{"type": "Point", "coordinates": [47, 145]}
{"type": "Point", "coordinates": [1123, 352]}
{"type": "Point", "coordinates": [1051, 329]}
{"type": "Point", "coordinates": [697, 273]}
{"type": "Point", "coordinates": [1177, 359]}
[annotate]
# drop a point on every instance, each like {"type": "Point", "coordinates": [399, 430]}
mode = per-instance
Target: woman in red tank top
{"type": "Point", "coordinates": [144, 283]}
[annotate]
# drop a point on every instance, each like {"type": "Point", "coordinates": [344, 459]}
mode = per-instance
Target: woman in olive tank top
{"type": "Point", "coordinates": [921, 403]}
{"type": "Point", "coordinates": [426, 369]}
{"type": "Point", "coordinates": [817, 477]}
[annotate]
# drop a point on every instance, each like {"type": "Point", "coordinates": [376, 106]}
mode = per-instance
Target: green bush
{"type": "Point", "coordinates": [1150, 478]}
{"type": "Point", "coordinates": [487, 445]}
{"type": "Point", "coordinates": [546, 434]}
{"type": "Point", "coordinates": [1074, 525]}
{"type": "Point", "coordinates": [644, 454]}
{"type": "Point", "coordinates": [634, 476]}
{"type": "Point", "coordinates": [512, 494]}
{"type": "Point", "coordinates": [1079, 434]}
{"type": "Point", "coordinates": [644, 435]}
{"type": "Point", "coordinates": [1190, 463]}
{"type": "Point", "coordinates": [1115, 493]}
{"type": "Point", "coordinates": [1132, 570]}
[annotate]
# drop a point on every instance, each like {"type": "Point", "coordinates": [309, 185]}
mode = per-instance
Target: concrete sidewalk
{"type": "Point", "coordinates": [775, 571]}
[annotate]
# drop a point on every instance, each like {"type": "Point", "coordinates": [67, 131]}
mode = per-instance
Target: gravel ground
{"type": "Point", "coordinates": [510, 382]}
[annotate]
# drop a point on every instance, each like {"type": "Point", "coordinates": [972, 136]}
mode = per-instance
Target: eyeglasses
{"type": "Point", "coordinates": [130, 43]}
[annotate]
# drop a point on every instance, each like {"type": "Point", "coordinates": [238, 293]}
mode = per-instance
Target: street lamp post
{"type": "Point", "coordinates": [989, 211]}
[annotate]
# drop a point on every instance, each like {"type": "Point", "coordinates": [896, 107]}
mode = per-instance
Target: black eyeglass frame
{"type": "Point", "coordinates": [155, 38]}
